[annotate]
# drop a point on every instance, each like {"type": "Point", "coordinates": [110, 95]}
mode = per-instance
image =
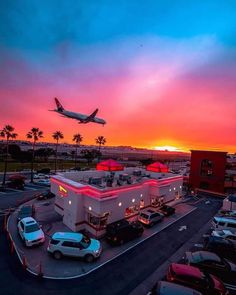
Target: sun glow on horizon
{"type": "Point", "coordinates": [167, 148]}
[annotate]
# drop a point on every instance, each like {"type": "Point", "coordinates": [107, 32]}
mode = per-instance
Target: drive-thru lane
{"type": "Point", "coordinates": [121, 275]}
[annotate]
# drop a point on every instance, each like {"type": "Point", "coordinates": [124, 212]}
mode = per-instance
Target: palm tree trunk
{"type": "Point", "coordinates": [56, 158]}
{"type": "Point", "coordinates": [5, 167]}
{"type": "Point", "coordinates": [32, 165]}
{"type": "Point", "coordinates": [76, 155]}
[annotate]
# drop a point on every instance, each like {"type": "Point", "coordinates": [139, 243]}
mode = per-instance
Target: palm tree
{"type": "Point", "coordinates": [77, 138]}
{"type": "Point", "coordinates": [57, 135]}
{"type": "Point", "coordinates": [34, 134]}
{"type": "Point", "coordinates": [100, 140]}
{"type": "Point", "coordinates": [7, 132]}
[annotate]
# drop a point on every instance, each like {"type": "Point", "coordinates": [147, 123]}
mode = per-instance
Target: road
{"type": "Point", "coordinates": [121, 275]}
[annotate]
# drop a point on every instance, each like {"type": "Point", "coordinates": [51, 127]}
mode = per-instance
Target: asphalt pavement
{"type": "Point", "coordinates": [121, 275]}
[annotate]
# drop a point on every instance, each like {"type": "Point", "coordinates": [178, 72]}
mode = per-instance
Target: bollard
{"type": "Point", "coordinates": [24, 262]}
{"type": "Point", "coordinates": [8, 236]}
{"type": "Point", "coordinates": [40, 274]}
{"type": "Point", "coordinates": [12, 247]}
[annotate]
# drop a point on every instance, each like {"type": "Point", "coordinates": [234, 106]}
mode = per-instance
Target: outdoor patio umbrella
{"type": "Point", "coordinates": [157, 167]}
{"type": "Point", "coordinates": [109, 165]}
{"type": "Point", "coordinates": [17, 177]}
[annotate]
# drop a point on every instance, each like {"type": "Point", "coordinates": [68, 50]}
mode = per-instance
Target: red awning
{"type": "Point", "coordinates": [157, 167]}
{"type": "Point", "coordinates": [109, 165]}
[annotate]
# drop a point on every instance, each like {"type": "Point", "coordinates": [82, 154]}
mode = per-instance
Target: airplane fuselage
{"type": "Point", "coordinates": [80, 117]}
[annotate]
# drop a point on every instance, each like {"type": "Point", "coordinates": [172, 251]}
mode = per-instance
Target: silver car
{"type": "Point", "coordinates": [225, 234]}
{"type": "Point", "coordinates": [150, 217]}
{"type": "Point", "coordinates": [30, 232]}
{"type": "Point", "coordinates": [74, 244]}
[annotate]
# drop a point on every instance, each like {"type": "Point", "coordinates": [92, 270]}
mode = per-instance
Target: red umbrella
{"type": "Point", "coordinates": [109, 165]}
{"type": "Point", "coordinates": [157, 167]}
{"type": "Point", "coordinates": [17, 176]}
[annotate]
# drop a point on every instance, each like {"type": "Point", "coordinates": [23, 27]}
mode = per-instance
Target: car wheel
{"type": "Point", "coordinates": [57, 255]}
{"type": "Point", "coordinates": [89, 258]}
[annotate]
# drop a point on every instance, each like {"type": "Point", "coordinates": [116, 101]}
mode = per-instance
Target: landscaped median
{"type": "Point", "coordinates": [40, 263]}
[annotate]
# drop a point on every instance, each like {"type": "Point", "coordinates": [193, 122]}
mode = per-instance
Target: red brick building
{"type": "Point", "coordinates": [207, 170]}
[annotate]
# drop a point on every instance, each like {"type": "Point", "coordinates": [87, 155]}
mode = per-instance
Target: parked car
{"type": "Point", "coordinates": [44, 182]}
{"type": "Point", "coordinates": [74, 245]}
{"type": "Point", "coordinates": [167, 288]}
{"type": "Point", "coordinates": [167, 210]}
{"type": "Point", "coordinates": [193, 277]}
{"type": "Point", "coordinates": [26, 211]}
{"type": "Point", "coordinates": [122, 231]}
{"type": "Point", "coordinates": [150, 217]}
{"type": "Point", "coordinates": [222, 222]}
{"type": "Point", "coordinates": [45, 195]}
{"type": "Point", "coordinates": [212, 263]}
{"type": "Point", "coordinates": [30, 232]}
{"type": "Point", "coordinates": [223, 248]}
{"type": "Point", "coordinates": [41, 176]}
{"type": "Point", "coordinates": [225, 234]}
{"type": "Point", "coordinates": [227, 213]}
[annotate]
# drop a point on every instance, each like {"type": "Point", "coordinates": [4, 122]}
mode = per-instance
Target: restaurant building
{"type": "Point", "coordinates": [89, 200]}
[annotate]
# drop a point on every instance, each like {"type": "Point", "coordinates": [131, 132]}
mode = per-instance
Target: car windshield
{"type": "Point", "coordinates": [26, 209]}
{"type": "Point", "coordinates": [144, 215]}
{"type": "Point", "coordinates": [85, 242]}
{"type": "Point", "coordinates": [31, 228]}
{"type": "Point", "coordinates": [197, 257]}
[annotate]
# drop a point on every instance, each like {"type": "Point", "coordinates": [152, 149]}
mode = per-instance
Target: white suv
{"type": "Point", "coordinates": [30, 232]}
{"type": "Point", "coordinates": [74, 244]}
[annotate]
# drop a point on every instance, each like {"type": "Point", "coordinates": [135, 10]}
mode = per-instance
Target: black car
{"type": "Point", "coordinates": [123, 231]}
{"type": "Point", "coordinates": [26, 211]}
{"type": "Point", "coordinates": [213, 264]}
{"type": "Point", "coordinates": [45, 195]}
{"type": "Point", "coordinates": [166, 210]}
{"type": "Point", "coordinates": [224, 248]}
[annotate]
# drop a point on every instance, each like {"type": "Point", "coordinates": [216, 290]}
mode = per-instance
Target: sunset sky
{"type": "Point", "coordinates": [162, 73]}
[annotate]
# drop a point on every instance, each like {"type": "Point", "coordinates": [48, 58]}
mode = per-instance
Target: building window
{"type": "Point", "coordinates": [131, 210]}
{"type": "Point", "coordinates": [99, 222]}
{"type": "Point", "coordinates": [206, 168]}
{"type": "Point", "coordinates": [157, 201]}
{"type": "Point", "coordinates": [141, 204]}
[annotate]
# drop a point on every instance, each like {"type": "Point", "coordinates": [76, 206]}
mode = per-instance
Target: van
{"type": "Point", "coordinates": [222, 223]}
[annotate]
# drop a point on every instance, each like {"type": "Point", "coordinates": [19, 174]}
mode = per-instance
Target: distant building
{"type": "Point", "coordinates": [208, 170]}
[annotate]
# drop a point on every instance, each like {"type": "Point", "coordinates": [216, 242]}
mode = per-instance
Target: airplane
{"type": "Point", "coordinates": [83, 119]}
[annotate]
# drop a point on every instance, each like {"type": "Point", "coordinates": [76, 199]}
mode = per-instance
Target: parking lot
{"type": "Point", "coordinates": [37, 258]}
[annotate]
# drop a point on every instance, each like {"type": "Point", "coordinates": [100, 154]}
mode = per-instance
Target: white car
{"type": "Point", "coordinates": [225, 234]}
{"type": "Point", "coordinates": [30, 232]}
{"type": "Point", "coordinates": [74, 244]}
{"type": "Point", "coordinates": [41, 176]}
{"type": "Point", "coordinates": [45, 182]}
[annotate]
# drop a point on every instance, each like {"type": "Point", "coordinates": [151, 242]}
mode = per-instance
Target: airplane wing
{"type": "Point", "coordinates": [90, 117]}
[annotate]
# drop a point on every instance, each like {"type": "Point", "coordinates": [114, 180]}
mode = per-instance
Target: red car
{"type": "Point", "coordinates": [194, 278]}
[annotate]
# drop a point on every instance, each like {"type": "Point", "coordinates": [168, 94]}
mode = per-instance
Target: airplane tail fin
{"type": "Point", "coordinates": [59, 106]}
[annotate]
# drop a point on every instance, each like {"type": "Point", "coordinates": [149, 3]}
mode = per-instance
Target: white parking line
{"type": "Point", "coordinates": [119, 254]}
{"type": "Point", "coordinates": [229, 286]}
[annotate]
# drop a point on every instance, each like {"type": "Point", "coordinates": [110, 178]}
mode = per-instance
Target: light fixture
{"type": "Point", "coordinates": [174, 188]}
{"type": "Point", "coordinates": [133, 200]}
{"type": "Point", "coordinates": [170, 190]}
{"type": "Point", "coordinates": [180, 186]}
{"type": "Point", "coordinates": [69, 202]}
{"type": "Point", "coordinates": [90, 208]}
{"type": "Point", "coordinates": [120, 204]}
{"type": "Point", "coordinates": [141, 195]}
